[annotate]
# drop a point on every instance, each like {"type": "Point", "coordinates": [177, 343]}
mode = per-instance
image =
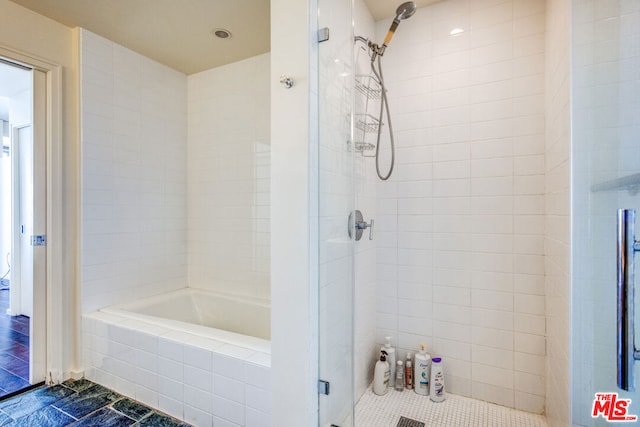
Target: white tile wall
{"type": "Point", "coordinates": [191, 378]}
{"type": "Point", "coordinates": [460, 225]}
{"type": "Point", "coordinates": [229, 157]}
{"type": "Point", "coordinates": [133, 141]}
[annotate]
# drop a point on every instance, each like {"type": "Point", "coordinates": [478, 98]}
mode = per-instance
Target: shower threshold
{"type": "Point", "coordinates": [395, 408]}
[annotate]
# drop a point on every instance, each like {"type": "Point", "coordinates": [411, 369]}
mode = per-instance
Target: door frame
{"type": "Point", "coordinates": [47, 107]}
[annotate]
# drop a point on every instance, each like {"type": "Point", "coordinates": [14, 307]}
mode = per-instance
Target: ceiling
{"type": "Point", "coordinates": [382, 9]}
{"type": "Point", "coordinates": [179, 33]}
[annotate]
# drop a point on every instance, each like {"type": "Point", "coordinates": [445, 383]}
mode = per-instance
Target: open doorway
{"type": "Point", "coordinates": [17, 167]}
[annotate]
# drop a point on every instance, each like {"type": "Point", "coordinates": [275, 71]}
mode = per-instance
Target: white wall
{"type": "Point", "coordinates": [557, 210]}
{"type": "Point", "coordinates": [229, 157]}
{"type": "Point", "coordinates": [294, 292]}
{"type": "Point", "coordinates": [460, 225]}
{"type": "Point", "coordinates": [133, 136]}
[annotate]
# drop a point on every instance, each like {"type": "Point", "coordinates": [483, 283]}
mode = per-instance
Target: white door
{"type": "Point", "coordinates": [24, 145]}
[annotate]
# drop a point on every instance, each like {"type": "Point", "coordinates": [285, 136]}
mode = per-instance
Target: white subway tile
{"type": "Point", "coordinates": [229, 410]}
{"type": "Point", "coordinates": [532, 384]}
{"type": "Point", "coordinates": [493, 338]}
{"type": "Point", "coordinates": [491, 393]}
{"type": "Point", "coordinates": [257, 419]}
{"type": "Point", "coordinates": [493, 319]}
{"type": "Point", "coordinates": [494, 357]}
{"type": "Point", "coordinates": [197, 417]}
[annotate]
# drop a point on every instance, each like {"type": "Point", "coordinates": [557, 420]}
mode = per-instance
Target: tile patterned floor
{"type": "Point", "coordinates": [458, 411]}
{"type": "Point", "coordinates": [80, 403]}
{"type": "Point", "coordinates": [14, 347]}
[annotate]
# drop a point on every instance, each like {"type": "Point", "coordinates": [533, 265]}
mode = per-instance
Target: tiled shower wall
{"type": "Point", "coordinates": [460, 225]}
{"type": "Point", "coordinates": [133, 142]}
{"type": "Point", "coordinates": [229, 178]}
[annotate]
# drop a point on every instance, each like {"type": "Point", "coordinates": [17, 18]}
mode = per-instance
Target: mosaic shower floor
{"type": "Point", "coordinates": [79, 403]}
{"type": "Point", "coordinates": [458, 411]}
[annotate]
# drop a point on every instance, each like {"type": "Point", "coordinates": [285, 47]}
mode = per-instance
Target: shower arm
{"type": "Point", "coordinates": [373, 47]}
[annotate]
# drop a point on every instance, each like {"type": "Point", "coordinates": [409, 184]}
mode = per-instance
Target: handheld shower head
{"type": "Point", "coordinates": [404, 11]}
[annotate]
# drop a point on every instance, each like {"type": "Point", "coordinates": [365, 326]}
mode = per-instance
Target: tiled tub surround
{"type": "Point", "coordinates": [201, 380]}
{"type": "Point", "coordinates": [79, 403]}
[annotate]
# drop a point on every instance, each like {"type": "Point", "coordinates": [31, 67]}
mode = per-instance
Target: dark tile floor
{"type": "Point", "coordinates": [80, 403]}
{"type": "Point", "coordinates": [14, 347]}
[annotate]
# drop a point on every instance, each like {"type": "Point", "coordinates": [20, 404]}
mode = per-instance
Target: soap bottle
{"type": "Point", "coordinates": [381, 375]}
{"type": "Point", "coordinates": [399, 376]}
{"type": "Point", "coordinates": [408, 372]}
{"type": "Point", "coordinates": [391, 356]}
{"type": "Point", "coordinates": [421, 372]}
{"type": "Point", "coordinates": [437, 381]}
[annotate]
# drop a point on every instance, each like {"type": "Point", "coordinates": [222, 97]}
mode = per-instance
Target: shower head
{"type": "Point", "coordinates": [404, 11]}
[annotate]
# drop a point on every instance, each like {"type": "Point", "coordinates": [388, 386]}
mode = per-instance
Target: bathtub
{"type": "Point", "coordinates": [200, 356]}
{"type": "Point", "coordinates": [227, 318]}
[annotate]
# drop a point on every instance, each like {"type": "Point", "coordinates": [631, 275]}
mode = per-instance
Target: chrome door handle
{"type": "Point", "coordinates": [627, 246]}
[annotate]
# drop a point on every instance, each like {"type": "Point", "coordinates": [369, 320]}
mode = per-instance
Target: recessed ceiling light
{"type": "Point", "coordinates": [456, 31]}
{"type": "Point", "coordinates": [221, 33]}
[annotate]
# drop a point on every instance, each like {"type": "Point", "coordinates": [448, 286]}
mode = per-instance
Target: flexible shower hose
{"type": "Point", "coordinates": [384, 106]}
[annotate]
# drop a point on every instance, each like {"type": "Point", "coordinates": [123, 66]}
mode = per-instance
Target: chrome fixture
{"type": "Point", "coordinates": [286, 81]}
{"type": "Point", "coordinates": [627, 353]}
{"type": "Point", "coordinates": [357, 224]}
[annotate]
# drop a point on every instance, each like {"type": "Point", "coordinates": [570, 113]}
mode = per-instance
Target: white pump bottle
{"type": "Point", "coordinates": [391, 356]}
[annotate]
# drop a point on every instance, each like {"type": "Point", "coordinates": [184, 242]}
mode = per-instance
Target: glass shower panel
{"type": "Point", "coordinates": [605, 178]}
{"type": "Point", "coordinates": [335, 202]}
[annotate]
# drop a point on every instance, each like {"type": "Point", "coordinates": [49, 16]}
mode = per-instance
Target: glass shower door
{"type": "Point", "coordinates": [335, 202]}
{"type": "Point", "coordinates": [605, 178]}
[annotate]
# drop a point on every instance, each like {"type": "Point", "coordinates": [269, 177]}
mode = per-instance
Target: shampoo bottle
{"type": "Point", "coordinates": [391, 356]}
{"type": "Point", "coordinates": [408, 372]}
{"type": "Point", "coordinates": [421, 372]}
{"type": "Point", "coordinates": [437, 381]}
{"type": "Point", "coordinates": [381, 375]}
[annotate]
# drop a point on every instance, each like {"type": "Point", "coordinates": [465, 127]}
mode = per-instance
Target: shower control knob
{"type": "Point", "coordinates": [357, 225]}
{"type": "Point", "coordinates": [364, 225]}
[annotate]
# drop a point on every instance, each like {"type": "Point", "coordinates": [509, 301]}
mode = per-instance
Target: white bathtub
{"type": "Point", "coordinates": [200, 356]}
{"type": "Point", "coordinates": [240, 321]}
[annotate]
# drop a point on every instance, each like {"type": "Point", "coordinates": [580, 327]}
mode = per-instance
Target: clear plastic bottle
{"type": "Point", "coordinates": [399, 376]}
